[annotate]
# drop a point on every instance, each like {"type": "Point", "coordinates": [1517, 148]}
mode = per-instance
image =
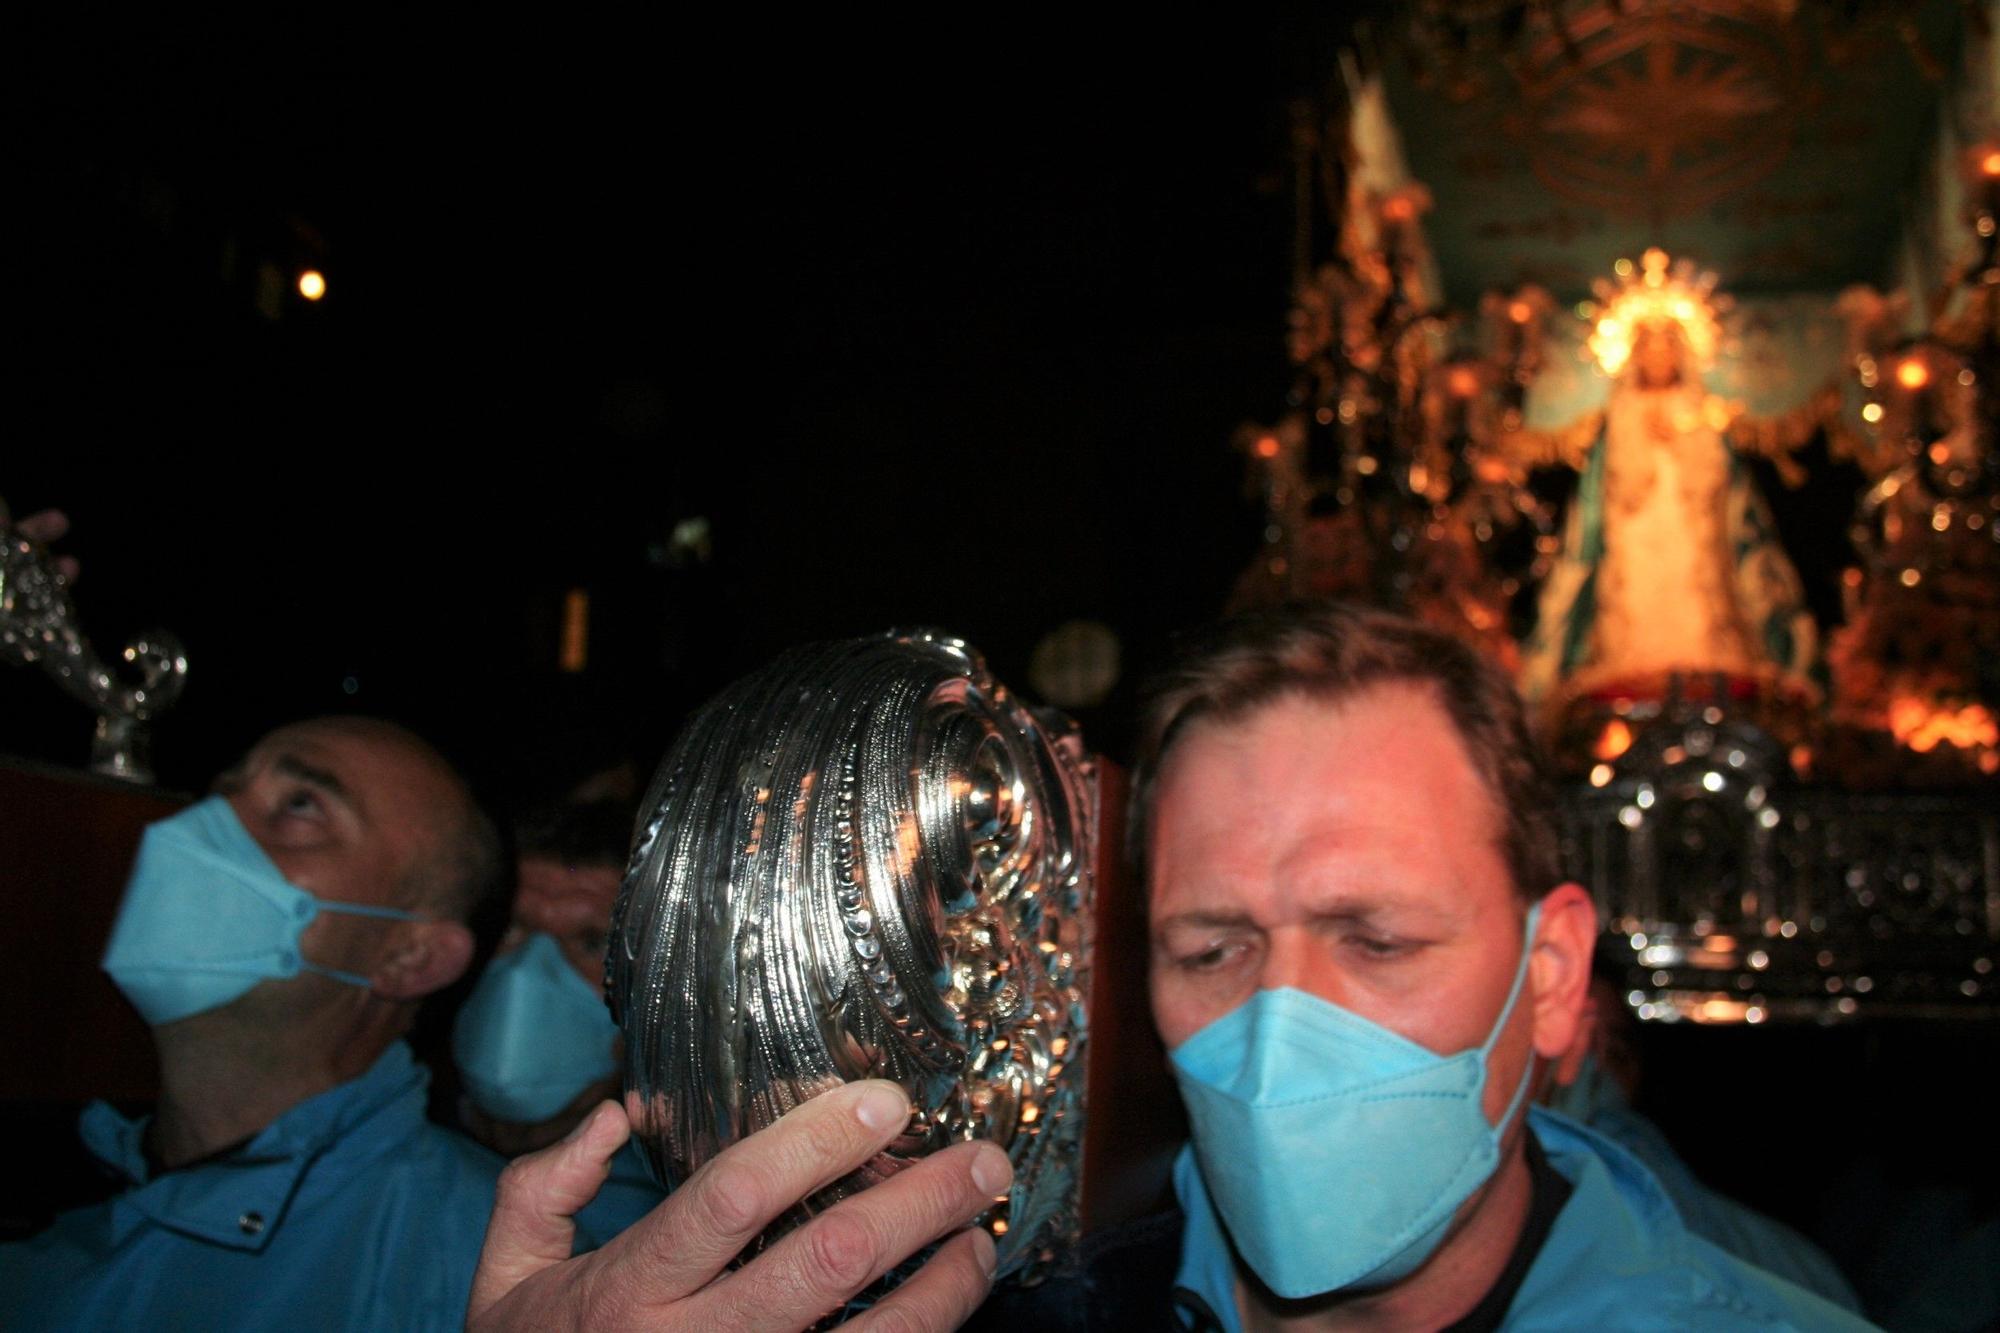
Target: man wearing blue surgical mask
{"type": "Point", "coordinates": [278, 937]}
{"type": "Point", "coordinates": [1361, 955]}
{"type": "Point", "coordinates": [534, 1044]}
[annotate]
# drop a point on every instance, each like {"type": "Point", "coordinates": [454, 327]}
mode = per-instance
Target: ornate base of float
{"type": "Point", "coordinates": [1600, 717]}
{"type": "Point", "coordinates": [1731, 893]}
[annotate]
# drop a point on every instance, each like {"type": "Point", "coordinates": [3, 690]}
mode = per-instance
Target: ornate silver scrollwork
{"type": "Point", "coordinates": [867, 860]}
{"type": "Point", "coordinates": [38, 625]}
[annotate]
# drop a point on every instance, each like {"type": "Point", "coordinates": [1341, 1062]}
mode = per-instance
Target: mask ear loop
{"type": "Point", "coordinates": [354, 909]}
{"type": "Point", "coordinates": [1507, 1012]}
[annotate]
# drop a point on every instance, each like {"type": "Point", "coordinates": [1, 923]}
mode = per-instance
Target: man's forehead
{"type": "Point", "coordinates": [1373, 781]}
{"type": "Point", "coordinates": [548, 880]}
{"type": "Point", "coordinates": [358, 763]}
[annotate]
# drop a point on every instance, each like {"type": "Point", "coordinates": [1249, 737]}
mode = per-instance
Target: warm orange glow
{"type": "Point", "coordinates": [1940, 453]}
{"type": "Point", "coordinates": [1989, 165]}
{"type": "Point", "coordinates": [1912, 374]}
{"type": "Point", "coordinates": [575, 651]}
{"type": "Point", "coordinates": [312, 284]}
{"type": "Point", "coordinates": [1267, 446]}
{"type": "Point", "coordinates": [1614, 740]}
{"type": "Point", "coordinates": [1461, 381]}
{"type": "Point", "coordinates": [1399, 209]}
{"type": "Point", "coordinates": [1922, 726]}
{"type": "Point", "coordinates": [1656, 297]}
{"type": "Point", "coordinates": [1520, 312]}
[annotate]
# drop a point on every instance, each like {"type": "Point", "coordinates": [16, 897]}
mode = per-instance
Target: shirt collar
{"type": "Point", "coordinates": [240, 1199]}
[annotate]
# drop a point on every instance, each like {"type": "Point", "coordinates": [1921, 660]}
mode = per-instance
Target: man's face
{"type": "Point", "coordinates": [344, 814]}
{"type": "Point", "coordinates": [571, 903]}
{"type": "Point", "coordinates": [1347, 850]}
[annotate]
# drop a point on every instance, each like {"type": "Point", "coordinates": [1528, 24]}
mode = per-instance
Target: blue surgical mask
{"type": "Point", "coordinates": [207, 915]}
{"type": "Point", "coordinates": [1335, 1150]}
{"type": "Point", "coordinates": [532, 1035]}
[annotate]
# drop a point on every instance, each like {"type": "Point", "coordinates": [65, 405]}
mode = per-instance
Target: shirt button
{"type": "Point", "coordinates": [250, 1223]}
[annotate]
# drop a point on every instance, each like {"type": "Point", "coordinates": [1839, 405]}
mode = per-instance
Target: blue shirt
{"type": "Point", "coordinates": [1618, 1257]}
{"type": "Point", "coordinates": [1737, 1228]}
{"type": "Point", "coordinates": [350, 1211]}
{"type": "Point", "coordinates": [628, 1194]}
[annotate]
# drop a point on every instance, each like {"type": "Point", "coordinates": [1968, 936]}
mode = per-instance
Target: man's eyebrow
{"type": "Point", "coordinates": [1201, 917]}
{"type": "Point", "coordinates": [292, 766]}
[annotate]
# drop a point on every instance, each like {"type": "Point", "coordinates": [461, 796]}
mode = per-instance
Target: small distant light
{"type": "Point", "coordinates": [1966, 378]}
{"type": "Point", "coordinates": [1712, 780]}
{"type": "Point", "coordinates": [1267, 446]}
{"type": "Point", "coordinates": [1990, 164]}
{"type": "Point", "coordinates": [1520, 312]}
{"type": "Point", "coordinates": [1910, 578]}
{"type": "Point", "coordinates": [350, 685]}
{"type": "Point", "coordinates": [1912, 373]}
{"type": "Point", "coordinates": [1622, 268]}
{"type": "Point", "coordinates": [1600, 776]}
{"type": "Point", "coordinates": [312, 284]}
{"type": "Point", "coordinates": [573, 653]}
{"type": "Point", "coordinates": [1940, 453]}
{"type": "Point", "coordinates": [1871, 412]}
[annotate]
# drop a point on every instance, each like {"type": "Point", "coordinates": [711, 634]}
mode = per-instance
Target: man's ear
{"type": "Point", "coordinates": [1559, 968]}
{"type": "Point", "coordinates": [426, 957]}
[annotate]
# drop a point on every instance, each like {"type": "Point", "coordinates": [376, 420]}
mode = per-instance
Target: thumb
{"type": "Point", "coordinates": [538, 1196]}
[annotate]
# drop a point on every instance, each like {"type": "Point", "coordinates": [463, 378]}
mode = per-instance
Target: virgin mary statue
{"type": "Point", "coordinates": [1670, 564]}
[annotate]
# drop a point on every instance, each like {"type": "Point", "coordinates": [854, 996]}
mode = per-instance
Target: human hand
{"type": "Point", "coordinates": [670, 1269]}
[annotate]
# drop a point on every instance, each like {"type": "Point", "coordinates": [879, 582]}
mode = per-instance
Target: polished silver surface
{"type": "Point", "coordinates": [38, 624]}
{"type": "Point", "coordinates": [867, 860]}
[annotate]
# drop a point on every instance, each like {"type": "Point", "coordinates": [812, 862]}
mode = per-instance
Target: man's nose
{"type": "Point", "coordinates": [1296, 957]}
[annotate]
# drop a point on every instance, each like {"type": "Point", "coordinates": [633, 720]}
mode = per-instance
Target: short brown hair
{"type": "Point", "coordinates": [1330, 652]}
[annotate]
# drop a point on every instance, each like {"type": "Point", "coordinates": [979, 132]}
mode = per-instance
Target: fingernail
{"type": "Point", "coordinates": [983, 1251]}
{"type": "Point", "coordinates": [882, 1106]}
{"type": "Point", "coordinates": [991, 1170]}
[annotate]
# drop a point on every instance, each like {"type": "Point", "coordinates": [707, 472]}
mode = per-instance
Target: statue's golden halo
{"type": "Point", "coordinates": [1655, 293]}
